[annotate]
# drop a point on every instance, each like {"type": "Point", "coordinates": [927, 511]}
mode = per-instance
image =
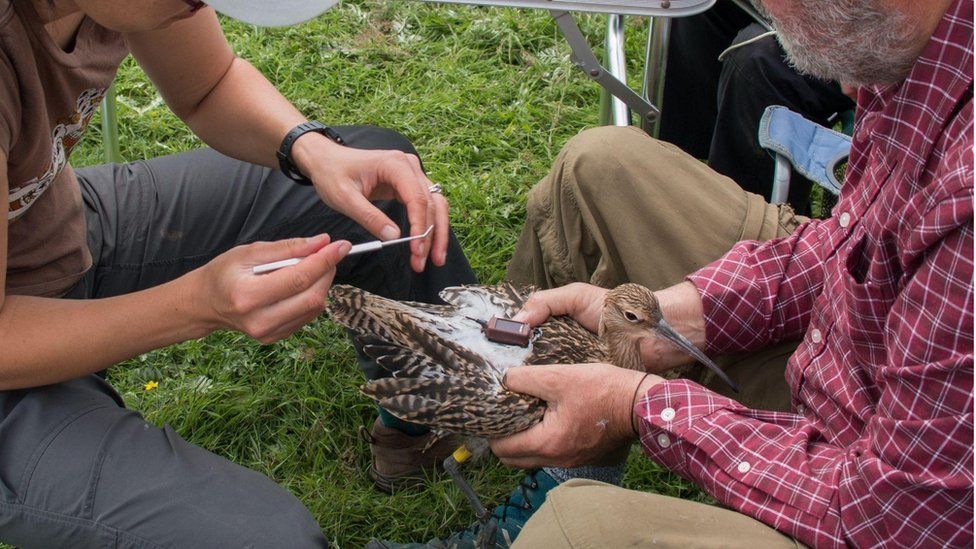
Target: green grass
{"type": "Point", "coordinates": [488, 96]}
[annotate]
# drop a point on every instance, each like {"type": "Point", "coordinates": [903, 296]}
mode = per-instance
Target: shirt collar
{"type": "Point", "coordinates": [939, 79]}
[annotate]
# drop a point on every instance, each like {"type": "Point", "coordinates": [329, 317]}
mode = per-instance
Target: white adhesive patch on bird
{"type": "Point", "coordinates": [468, 333]}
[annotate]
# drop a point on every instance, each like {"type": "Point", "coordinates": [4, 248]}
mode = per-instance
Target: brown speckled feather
{"type": "Point", "coordinates": [445, 373]}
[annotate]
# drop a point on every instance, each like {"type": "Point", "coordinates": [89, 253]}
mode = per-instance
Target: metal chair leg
{"type": "Point", "coordinates": [655, 65]}
{"type": "Point", "coordinates": [781, 180]}
{"type": "Point", "coordinates": [613, 110]}
{"type": "Point", "coordinates": [110, 127]}
{"type": "Point", "coordinates": [584, 59]}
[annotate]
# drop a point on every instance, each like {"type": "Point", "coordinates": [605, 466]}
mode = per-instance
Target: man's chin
{"type": "Point", "coordinates": [859, 45]}
{"type": "Point", "coordinates": [874, 76]}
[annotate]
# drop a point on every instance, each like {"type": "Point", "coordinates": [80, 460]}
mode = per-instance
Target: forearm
{"type": "Point", "coordinates": [226, 101]}
{"type": "Point", "coordinates": [234, 109]}
{"type": "Point", "coordinates": [682, 308]}
{"type": "Point", "coordinates": [761, 293]}
{"type": "Point", "coordinates": [783, 470]}
{"type": "Point", "coordinates": [244, 116]}
{"type": "Point", "coordinates": [45, 341]}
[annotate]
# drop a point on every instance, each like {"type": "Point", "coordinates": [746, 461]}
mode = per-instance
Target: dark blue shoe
{"type": "Point", "coordinates": [507, 519]}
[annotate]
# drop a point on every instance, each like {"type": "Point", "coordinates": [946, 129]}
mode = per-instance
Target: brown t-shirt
{"type": "Point", "coordinates": [47, 98]}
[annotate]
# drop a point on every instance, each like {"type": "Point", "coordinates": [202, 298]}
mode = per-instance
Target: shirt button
{"type": "Point", "coordinates": [844, 220]}
{"type": "Point", "coordinates": [663, 441]}
{"type": "Point", "coordinates": [816, 336]}
{"type": "Point", "coordinates": [800, 409]}
{"type": "Point", "coordinates": [744, 467]}
{"type": "Point", "coordinates": [667, 414]}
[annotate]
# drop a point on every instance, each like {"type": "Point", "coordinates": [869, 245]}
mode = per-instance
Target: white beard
{"type": "Point", "coordinates": [857, 42]}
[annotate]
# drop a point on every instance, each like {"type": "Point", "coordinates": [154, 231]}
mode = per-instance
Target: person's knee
{"type": "Point", "coordinates": [267, 515]}
{"type": "Point", "coordinates": [602, 159]}
{"type": "Point", "coordinates": [396, 140]}
{"type": "Point", "coordinates": [376, 138]}
{"type": "Point", "coordinates": [608, 169]}
{"type": "Point", "coordinates": [601, 145]}
{"type": "Point", "coordinates": [198, 499]}
{"type": "Point", "coordinates": [579, 489]}
{"type": "Point", "coordinates": [580, 482]}
{"type": "Point", "coordinates": [568, 510]}
{"type": "Point", "coordinates": [292, 526]}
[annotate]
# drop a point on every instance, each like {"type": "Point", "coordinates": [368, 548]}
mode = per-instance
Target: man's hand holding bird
{"type": "Point", "coordinates": [588, 414]}
{"type": "Point", "coordinates": [584, 303]}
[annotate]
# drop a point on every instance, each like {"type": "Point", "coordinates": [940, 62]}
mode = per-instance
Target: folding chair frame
{"type": "Point", "coordinates": [617, 100]}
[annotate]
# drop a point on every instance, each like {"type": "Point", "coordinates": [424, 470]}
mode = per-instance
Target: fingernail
{"type": "Point", "coordinates": [423, 264]}
{"type": "Point", "coordinates": [344, 248]}
{"type": "Point", "coordinates": [317, 238]}
{"type": "Point", "coordinates": [389, 232]}
{"type": "Point", "coordinates": [521, 316]}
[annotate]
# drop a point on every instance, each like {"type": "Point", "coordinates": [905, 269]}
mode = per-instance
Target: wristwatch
{"type": "Point", "coordinates": [284, 151]}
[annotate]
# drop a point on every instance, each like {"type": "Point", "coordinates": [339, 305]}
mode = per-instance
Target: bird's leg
{"type": "Point", "coordinates": [452, 464]}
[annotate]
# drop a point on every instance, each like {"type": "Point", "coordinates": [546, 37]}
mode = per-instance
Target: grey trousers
{"type": "Point", "coordinates": [78, 469]}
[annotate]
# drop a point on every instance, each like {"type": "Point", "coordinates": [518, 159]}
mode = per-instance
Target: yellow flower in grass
{"type": "Point", "coordinates": [150, 385]}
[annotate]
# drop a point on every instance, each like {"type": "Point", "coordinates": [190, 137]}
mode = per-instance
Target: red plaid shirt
{"type": "Point", "coordinates": [879, 447]}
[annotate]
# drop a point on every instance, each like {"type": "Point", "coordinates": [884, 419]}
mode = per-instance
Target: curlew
{"type": "Point", "coordinates": [448, 375]}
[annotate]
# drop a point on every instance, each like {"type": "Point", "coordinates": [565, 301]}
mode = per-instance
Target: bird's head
{"type": "Point", "coordinates": [631, 313]}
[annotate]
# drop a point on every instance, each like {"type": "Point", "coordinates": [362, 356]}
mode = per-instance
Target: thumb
{"type": "Point", "coordinates": [263, 252]}
{"type": "Point", "coordinates": [546, 303]}
{"type": "Point", "coordinates": [325, 259]}
{"type": "Point", "coordinates": [533, 313]}
{"type": "Point", "coordinates": [541, 381]}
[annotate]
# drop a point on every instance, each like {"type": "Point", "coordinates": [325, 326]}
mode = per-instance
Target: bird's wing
{"type": "Point", "coordinates": [470, 402]}
{"type": "Point", "coordinates": [446, 374]}
{"type": "Point", "coordinates": [427, 328]}
{"type": "Point", "coordinates": [562, 340]}
{"type": "Point", "coordinates": [503, 300]}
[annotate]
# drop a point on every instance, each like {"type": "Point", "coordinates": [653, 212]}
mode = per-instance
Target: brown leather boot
{"type": "Point", "coordinates": [399, 460]}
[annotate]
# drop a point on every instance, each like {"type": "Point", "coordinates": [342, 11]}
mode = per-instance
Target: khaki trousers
{"type": "Point", "coordinates": [586, 514]}
{"type": "Point", "coordinates": [619, 206]}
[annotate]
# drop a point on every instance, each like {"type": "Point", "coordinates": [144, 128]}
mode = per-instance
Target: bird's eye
{"type": "Point", "coordinates": [631, 316]}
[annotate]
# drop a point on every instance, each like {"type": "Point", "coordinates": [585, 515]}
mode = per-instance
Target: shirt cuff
{"type": "Point", "coordinates": [731, 450]}
{"type": "Point", "coordinates": [729, 304]}
{"type": "Point", "coordinates": [668, 411]}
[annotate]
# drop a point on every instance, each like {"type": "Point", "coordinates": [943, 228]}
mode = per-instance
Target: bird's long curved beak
{"type": "Point", "coordinates": [681, 341]}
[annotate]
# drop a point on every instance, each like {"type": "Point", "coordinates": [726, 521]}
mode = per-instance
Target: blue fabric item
{"type": "Point", "coordinates": [611, 474]}
{"type": "Point", "coordinates": [813, 150]}
{"type": "Point", "coordinates": [405, 427]}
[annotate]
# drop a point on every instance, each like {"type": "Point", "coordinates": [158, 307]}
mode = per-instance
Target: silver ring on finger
{"type": "Point", "coordinates": [435, 189]}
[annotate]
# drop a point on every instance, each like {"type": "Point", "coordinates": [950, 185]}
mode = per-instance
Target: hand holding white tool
{"type": "Point", "coordinates": [357, 249]}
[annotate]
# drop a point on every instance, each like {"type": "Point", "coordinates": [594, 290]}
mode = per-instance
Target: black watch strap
{"type": "Point", "coordinates": [284, 151]}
